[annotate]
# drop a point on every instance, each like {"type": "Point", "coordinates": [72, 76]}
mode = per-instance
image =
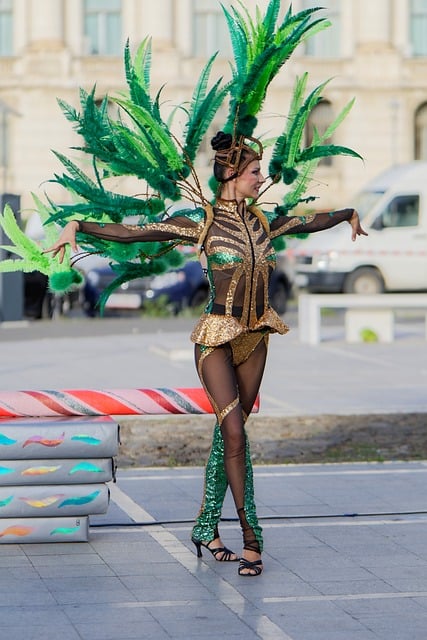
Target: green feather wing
{"type": "Point", "coordinates": [155, 132]}
{"type": "Point", "coordinates": [291, 162]}
{"type": "Point", "coordinates": [326, 150]}
{"type": "Point", "coordinates": [287, 152]}
{"type": "Point", "coordinates": [31, 256]}
{"type": "Point", "coordinates": [29, 252]}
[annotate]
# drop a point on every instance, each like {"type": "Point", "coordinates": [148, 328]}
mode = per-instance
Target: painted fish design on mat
{"type": "Point", "coordinates": [5, 470]}
{"type": "Point", "coordinates": [86, 439]}
{"type": "Point", "coordinates": [45, 442]}
{"type": "Point", "coordinates": [85, 466]}
{"type": "Point", "coordinates": [80, 500]}
{"type": "Point", "coordinates": [64, 531]}
{"type": "Point", "coordinates": [39, 471]}
{"type": "Point", "coordinates": [42, 502]}
{"type": "Point", "coordinates": [16, 530]}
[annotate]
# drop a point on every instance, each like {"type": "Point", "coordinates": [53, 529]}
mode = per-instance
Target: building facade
{"type": "Point", "coordinates": [375, 52]}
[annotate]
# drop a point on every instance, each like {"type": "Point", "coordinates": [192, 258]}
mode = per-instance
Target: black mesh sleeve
{"type": "Point", "coordinates": [286, 225]}
{"type": "Point", "coordinates": [174, 228]}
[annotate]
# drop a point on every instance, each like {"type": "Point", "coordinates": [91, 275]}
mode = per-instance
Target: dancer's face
{"type": "Point", "coordinates": [249, 182]}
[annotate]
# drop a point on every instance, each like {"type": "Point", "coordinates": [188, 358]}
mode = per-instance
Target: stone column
{"type": "Point", "coordinates": [400, 26]}
{"type": "Point", "coordinates": [45, 25]}
{"type": "Point", "coordinates": [373, 23]}
{"type": "Point", "coordinates": [184, 27]}
{"type": "Point", "coordinates": [157, 19]}
{"type": "Point", "coordinates": [377, 61]}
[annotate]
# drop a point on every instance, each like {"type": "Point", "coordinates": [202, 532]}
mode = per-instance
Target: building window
{"type": "Point", "coordinates": [210, 33]}
{"type": "Point", "coordinates": [319, 120]}
{"type": "Point", "coordinates": [421, 133]}
{"type": "Point", "coordinates": [6, 20]}
{"type": "Point", "coordinates": [418, 26]}
{"type": "Point", "coordinates": [103, 29]}
{"type": "Point", "coordinates": [326, 43]}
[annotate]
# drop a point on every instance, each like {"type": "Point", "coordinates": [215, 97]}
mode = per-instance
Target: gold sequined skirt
{"type": "Point", "coordinates": [213, 330]}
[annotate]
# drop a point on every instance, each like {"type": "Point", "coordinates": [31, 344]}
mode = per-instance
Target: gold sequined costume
{"type": "Point", "coordinates": [232, 334]}
{"type": "Point", "coordinates": [240, 260]}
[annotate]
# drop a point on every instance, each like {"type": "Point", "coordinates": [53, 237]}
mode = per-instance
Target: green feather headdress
{"type": "Point", "coordinates": [139, 142]}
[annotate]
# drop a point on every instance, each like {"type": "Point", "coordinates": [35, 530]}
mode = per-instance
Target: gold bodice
{"type": "Point", "coordinates": [240, 259]}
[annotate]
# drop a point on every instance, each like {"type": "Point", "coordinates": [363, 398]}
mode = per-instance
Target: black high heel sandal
{"type": "Point", "coordinates": [251, 567]}
{"type": "Point", "coordinates": [226, 553]}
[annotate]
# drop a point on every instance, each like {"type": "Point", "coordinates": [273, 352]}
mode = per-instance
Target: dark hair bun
{"type": "Point", "coordinates": [221, 141]}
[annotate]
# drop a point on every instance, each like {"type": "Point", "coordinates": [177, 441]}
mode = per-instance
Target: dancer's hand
{"type": "Point", "coordinates": [356, 228]}
{"type": "Point", "coordinates": [68, 236]}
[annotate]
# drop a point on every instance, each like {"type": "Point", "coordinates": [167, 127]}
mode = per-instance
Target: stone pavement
{"type": "Point", "coordinates": [345, 545]}
{"type": "Point", "coordinates": [328, 575]}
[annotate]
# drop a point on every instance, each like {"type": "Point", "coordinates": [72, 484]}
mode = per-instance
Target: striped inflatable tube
{"type": "Point", "coordinates": [110, 402]}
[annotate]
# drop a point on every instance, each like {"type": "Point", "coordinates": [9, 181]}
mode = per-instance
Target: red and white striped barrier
{"type": "Point", "coordinates": [109, 402]}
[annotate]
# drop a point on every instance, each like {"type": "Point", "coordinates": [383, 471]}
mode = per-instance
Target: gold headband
{"type": "Point", "coordinates": [231, 157]}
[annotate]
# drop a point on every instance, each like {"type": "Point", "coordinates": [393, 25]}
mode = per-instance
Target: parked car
{"type": "Point", "coordinates": [186, 287]}
{"type": "Point", "coordinates": [181, 288]}
{"type": "Point", "coordinates": [393, 209]}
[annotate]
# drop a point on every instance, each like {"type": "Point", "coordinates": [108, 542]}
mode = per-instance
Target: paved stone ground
{"type": "Point", "coordinates": [345, 544]}
{"type": "Point", "coordinates": [345, 559]}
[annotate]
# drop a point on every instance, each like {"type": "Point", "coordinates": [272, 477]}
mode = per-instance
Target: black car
{"type": "Point", "coordinates": [180, 288]}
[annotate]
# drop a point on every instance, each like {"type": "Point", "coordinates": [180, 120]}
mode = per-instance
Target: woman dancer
{"type": "Point", "coordinates": [231, 337]}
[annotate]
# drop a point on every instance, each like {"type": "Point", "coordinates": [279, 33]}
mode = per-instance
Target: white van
{"type": "Point", "coordinates": [393, 209]}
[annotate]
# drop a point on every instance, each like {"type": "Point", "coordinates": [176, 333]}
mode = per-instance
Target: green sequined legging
{"type": "Point", "coordinates": [231, 375]}
{"type": "Point", "coordinates": [215, 487]}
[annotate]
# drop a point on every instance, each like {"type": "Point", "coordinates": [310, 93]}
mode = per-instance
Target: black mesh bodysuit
{"type": "Point", "coordinates": [231, 336]}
